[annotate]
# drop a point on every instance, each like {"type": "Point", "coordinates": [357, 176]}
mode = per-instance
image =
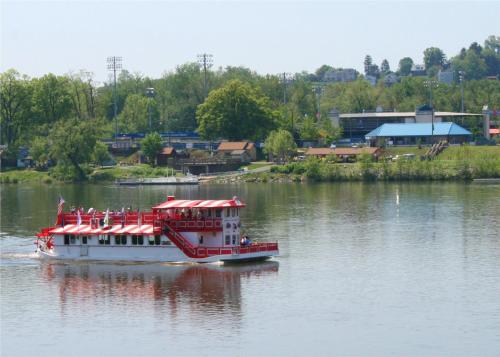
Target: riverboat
{"type": "Point", "coordinates": [174, 231]}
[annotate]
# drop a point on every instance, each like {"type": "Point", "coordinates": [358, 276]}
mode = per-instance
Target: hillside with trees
{"type": "Point", "coordinates": [53, 114]}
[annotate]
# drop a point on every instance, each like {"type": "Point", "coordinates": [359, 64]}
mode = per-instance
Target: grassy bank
{"type": "Point", "coordinates": [455, 163]}
{"type": "Point", "coordinates": [97, 175]}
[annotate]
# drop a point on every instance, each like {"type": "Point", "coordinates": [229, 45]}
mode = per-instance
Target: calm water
{"type": "Point", "coordinates": [386, 269]}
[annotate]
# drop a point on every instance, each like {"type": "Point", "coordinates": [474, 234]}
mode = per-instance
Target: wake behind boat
{"type": "Point", "coordinates": [174, 231]}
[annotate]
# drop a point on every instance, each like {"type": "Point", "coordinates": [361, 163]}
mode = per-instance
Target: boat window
{"type": "Point", "coordinates": [117, 240]}
{"type": "Point", "coordinates": [218, 212]}
{"type": "Point", "coordinates": [234, 239]}
{"type": "Point", "coordinates": [151, 240]}
{"type": "Point", "coordinates": [237, 211]}
{"type": "Point", "coordinates": [134, 239]}
{"type": "Point", "coordinates": [101, 239]}
{"type": "Point", "coordinates": [72, 239]}
{"type": "Point", "coordinates": [66, 239]}
{"type": "Point", "coordinates": [84, 239]}
{"type": "Point", "coordinates": [209, 213]}
{"type": "Point", "coordinates": [157, 240]}
{"type": "Point", "coordinates": [228, 240]}
{"type": "Point", "coordinates": [107, 240]}
{"type": "Point", "coordinates": [140, 240]}
{"type": "Point", "coordinates": [227, 212]}
{"type": "Point", "coordinates": [124, 240]}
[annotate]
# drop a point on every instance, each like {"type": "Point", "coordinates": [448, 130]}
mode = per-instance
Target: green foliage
{"type": "Point", "coordinates": [134, 116]}
{"type": "Point", "coordinates": [72, 143]}
{"type": "Point", "coordinates": [280, 144]}
{"type": "Point", "coordinates": [100, 153]}
{"type": "Point", "coordinates": [434, 57]}
{"type": "Point", "coordinates": [236, 111]}
{"type": "Point", "coordinates": [405, 65]}
{"type": "Point", "coordinates": [151, 146]}
{"type": "Point", "coordinates": [40, 151]}
{"type": "Point", "coordinates": [309, 130]}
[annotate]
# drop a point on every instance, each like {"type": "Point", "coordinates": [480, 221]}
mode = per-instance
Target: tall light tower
{"type": "Point", "coordinates": [318, 91]}
{"type": "Point", "coordinates": [430, 84]}
{"type": "Point", "coordinates": [206, 61]}
{"type": "Point", "coordinates": [461, 78]}
{"type": "Point", "coordinates": [285, 79]}
{"type": "Point", "coordinates": [114, 64]}
{"type": "Point", "coordinates": [150, 93]}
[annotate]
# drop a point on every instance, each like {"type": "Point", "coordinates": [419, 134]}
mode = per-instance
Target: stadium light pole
{"type": "Point", "coordinates": [429, 84]}
{"type": "Point", "coordinates": [114, 64]}
{"type": "Point", "coordinates": [461, 78]}
{"type": "Point", "coordinates": [150, 93]}
{"type": "Point", "coordinates": [205, 61]}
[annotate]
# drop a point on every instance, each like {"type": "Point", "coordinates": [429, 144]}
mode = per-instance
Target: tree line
{"type": "Point", "coordinates": [54, 114]}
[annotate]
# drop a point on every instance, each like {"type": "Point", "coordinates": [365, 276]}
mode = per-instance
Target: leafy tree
{"type": "Point", "coordinates": [40, 151]}
{"type": "Point", "coordinates": [493, 43]}
{"type": "Point", "coordinates": [236, 111]}
{"type": "Point", "coordinates": [309, 131]}
{"type": "Point", "coordinates": [280, 144]}
{"type": "Point", "coordinates": [320, 72]}
{"type": "Point", "coordinates": [100, 153]}
{"type": "Point", "coordinates": [434, 57]}
{"type": "Point", "coordinates": [384, 67]}
{"type": "Point", "coordinates": [51, 99]}
{"type": "Point", "coordinates": [134, 116]}
{"type": "Point", "coordinates": [72, 143]}
{"type": "Point", "coordinates": [368, 62]}
{"type": "Point", "coordinates": [15, 95]}
{"type": "Point", "coordinates": [405, 65]}
{"type": "Point", "coordinates": [151, 147]}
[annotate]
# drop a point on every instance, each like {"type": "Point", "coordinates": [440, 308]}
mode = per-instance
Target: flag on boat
{"type": "Point", "coordinates": [78, 218]}
{"type": "Point", "coordinates": [60, 205]}
{"type": "Point", "coordinates": [139, 218]}
{"type": "Point", "coordinates": [106, 218]}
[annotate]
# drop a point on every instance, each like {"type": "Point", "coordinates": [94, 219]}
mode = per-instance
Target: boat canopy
{"type": "Point", "coordinates": [201, 204]}
{"type": "Point", "coordinates": [115, 229]}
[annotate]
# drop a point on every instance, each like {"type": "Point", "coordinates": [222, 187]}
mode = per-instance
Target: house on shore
{"type": "Point", "coordinates": [242, 150]}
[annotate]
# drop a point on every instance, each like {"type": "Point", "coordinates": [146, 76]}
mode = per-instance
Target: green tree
{"type": "Point", "coordinates": [320, 72]}
{"type": "Point", "coordinates": [368, 62]}
{"type": "Point", "coordinates": [493, 43]}
{"type": "Point", "coordinates": [100, 153]}
{"type": "Point", "coordinates": [134, 116]}
{"type": "Point", "coordinates": [280, 144]}
{"type": "Point", "coordinates": [384, 67]}
{"type": "Point", "coordinates": [309, 130]}
{"type": "Point", "coordinates": [151, 146]}
{"type": "Point", "coordinates": [15, 96]}
{"type": "Point", "coordinates": [405, 65]}
{"type": "Point", "coordinates": [236, 111]}
{"type": "Point", "coordinates": [40, 151]}
{"type": "Point", "coordinates": [51, 99]}
{"type": "Point", "coordinates": [72, 143]}
{"type": "Point", "coordinates": [433, 57]}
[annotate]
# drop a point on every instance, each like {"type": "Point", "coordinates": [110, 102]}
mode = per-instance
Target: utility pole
{"type": "Point", "coordinates": [318, 91]}
{"type": "Point", "coordinates": [114, 64]}
{"type": "Point", "coordinates": [150, 93]}
{"type": "Point", "coordinates": [205, 61]}
{"type": "Point", "coordinates": [429, 84]}
{"type": "Point", "coordinates": [461, 78]}
{"type": "Point", "coordinates": [285, 78]}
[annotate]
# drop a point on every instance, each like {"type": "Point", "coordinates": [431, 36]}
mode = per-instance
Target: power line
{"type": "Point", "coordinates": [206, 62]}
{"type": "Point", "coordinates": [114, 64]}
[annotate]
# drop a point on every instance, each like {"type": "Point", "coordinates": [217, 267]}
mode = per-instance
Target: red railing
{"type": "Point", "coordinates": [203, 252]}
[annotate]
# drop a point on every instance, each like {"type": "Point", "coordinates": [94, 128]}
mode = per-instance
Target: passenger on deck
{"type": "Point", "coordinates": [189, 214]}
{"type": "Point", "coordinates": [245, 241]}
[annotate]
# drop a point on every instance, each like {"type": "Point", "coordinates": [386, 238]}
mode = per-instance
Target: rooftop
{"type": "Point", "coordinates": [417, 129]}
{"type": "Point", "coordinates": [235, 202]}
{"type": "Point", "coordinates": [403, 115]}
{"type": "Point", "coordinates": [235, 145]}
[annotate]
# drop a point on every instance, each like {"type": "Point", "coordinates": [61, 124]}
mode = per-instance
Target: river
{"type": "Point", "coordinates": [365, 269]}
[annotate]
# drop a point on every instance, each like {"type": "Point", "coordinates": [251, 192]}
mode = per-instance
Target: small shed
{"type": "Point", "coordinates": [241, 155]}
{"type": "Point", "coordinates": [165, 155]}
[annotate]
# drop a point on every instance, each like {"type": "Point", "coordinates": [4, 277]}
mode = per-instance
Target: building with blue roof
{"type": "Point", "coordinates": [413, 133]}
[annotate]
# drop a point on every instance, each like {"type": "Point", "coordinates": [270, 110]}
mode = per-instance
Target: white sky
{"type": "Point", "coordinates": [156, 36]}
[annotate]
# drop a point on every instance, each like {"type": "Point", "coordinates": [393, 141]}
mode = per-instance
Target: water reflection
{"type": "Point", "coordinates": [212, 289]}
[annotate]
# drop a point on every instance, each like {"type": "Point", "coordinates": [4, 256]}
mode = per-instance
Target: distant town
{"type": "Point", "coordinates": [199, 119]}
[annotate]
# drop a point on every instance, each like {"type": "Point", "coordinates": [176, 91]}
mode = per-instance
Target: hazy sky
{"type": "Point", "coordinates": [269, 37]}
